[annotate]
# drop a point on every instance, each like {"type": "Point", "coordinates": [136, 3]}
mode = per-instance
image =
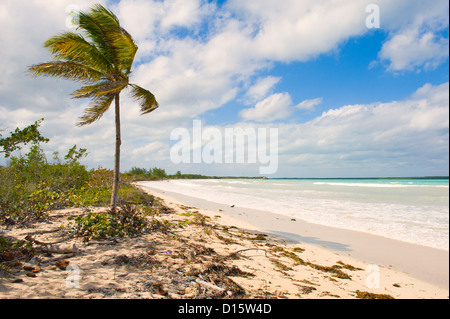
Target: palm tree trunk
{"type": "Point", "coordinates": [115, 192]}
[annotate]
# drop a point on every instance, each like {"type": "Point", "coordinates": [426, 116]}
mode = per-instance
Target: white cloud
{"type": "Point", "coordinates": [156, 151]}
{"type": "Point", "coordinates": [183, 13]}
{"type": "Point", "coordinates": [262, 87]}
{"type": "Point", "coordinates": [416, 41]}
{"type": "Point", "coordinates": [276, 107]}
{"type": "Point", "coordinates": [411, 50]}
{"type": "Point", "coordinates": [151, 21]}
{"type": "Point", "coordinates": [310, 104]}
{"type": "Point", "coordinates": [299, 30]}
{"type": "Point", "coordinates": [140, 17]}
{"type": "Point", "coordinates": [400, 136]}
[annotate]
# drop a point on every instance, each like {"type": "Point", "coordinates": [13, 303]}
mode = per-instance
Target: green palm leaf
{"type": "Point", "coordinates": [99, 89]}
{"type": "Point", "coordinates": [97, 108]}
{"type": "Point", "coordinates": [103, 28]}
{"type": "Point", "coordinates": [73, 47]}
{"type": "Point", "coordinates": [145, 98]}
{"type": "Point", "coordinates": [67, 70]}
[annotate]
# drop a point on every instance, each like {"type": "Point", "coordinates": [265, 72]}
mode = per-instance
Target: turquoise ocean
{"type": "Point", "coordinates": [410, 210]}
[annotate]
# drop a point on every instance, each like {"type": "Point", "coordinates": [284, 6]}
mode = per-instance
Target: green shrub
{"type": "Point", "coordinates": [126, 222]}
{"type": "Point", "coordinates": [30, 186]}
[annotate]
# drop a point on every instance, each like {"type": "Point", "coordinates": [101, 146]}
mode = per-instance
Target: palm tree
{"type": "Point", "coordinates": [102, 61]}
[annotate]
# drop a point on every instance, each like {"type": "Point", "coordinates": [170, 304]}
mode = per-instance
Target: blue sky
{"type": "Point", "coordinates": [345, 76]}
{"type": "Point", "coordinates": [348, 101]}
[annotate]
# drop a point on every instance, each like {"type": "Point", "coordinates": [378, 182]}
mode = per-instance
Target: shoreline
{"type": "Point", "coordinates": [426, 264]}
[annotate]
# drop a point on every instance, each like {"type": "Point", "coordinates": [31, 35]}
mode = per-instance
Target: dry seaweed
{"type": "Point", "coordinates": [336, 269]}
{"type": "Point", "coordinates": [347, 266]}
{"type": "Point", "coordinates": [369, 295]}
{"type": "Point", "coordinates": [139, 260]}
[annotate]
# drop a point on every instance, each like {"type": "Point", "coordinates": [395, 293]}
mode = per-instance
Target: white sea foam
{"type": "Point", "coordinates": [375, 185]}
{"type": "Point", "coordinates": [418, 215]}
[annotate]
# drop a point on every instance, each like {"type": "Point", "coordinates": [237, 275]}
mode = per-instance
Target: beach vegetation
{"type": "Point", "coordinates": [150, 174]}
{"type": "Point", "coordinates": [31, 185]}
{"type": "Point", "coordinates": [187, 214]}
{"type": "Point", "coordinates": [12, 251]}
{"type": "Point", "coordinates": [101, 57]}
{"type": "Point", "coordinates": [109, 225]}
{"type": "Point", "coordinates": [140, 174]}
{"type": "Point", "coordinates": [162, 225]}
{"type": "Point", "coordinates": [20, 137]}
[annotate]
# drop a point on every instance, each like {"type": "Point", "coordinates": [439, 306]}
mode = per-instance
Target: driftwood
{"type": "Point", "coordinates": [101, 242]}
{"type": "Point", "coordinates": [241, 251]}
{"type": "Point", "coordinates": [52, 248]}
{"type": "Point", "coordinates": [210, 286]}
{"type": "Point", "coordinates": [58, 249]}
{"type": "Point", "coordinates": [52, 260]}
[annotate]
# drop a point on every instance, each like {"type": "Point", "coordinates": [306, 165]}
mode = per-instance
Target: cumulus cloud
{"type": "Point", "coordinates": [299, 30]}
{"type": "Point", "coordinates": [418, 40]}
{"type": "Point", "coordinates": [276, 107]}
{"type": "Point", "coordinates": [412, 49]}
{"type": "Point", "coordinates": [310, 104]}
{"type": "Point", "coordinates": [261, 88]}
{"type": "Point", "coordinates": [400, 136]}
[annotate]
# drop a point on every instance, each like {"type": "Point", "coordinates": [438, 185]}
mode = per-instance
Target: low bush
{"type": "Point", "coordinates": [30, 186]}
{"type": "Point", "coordinates": [127, 221]}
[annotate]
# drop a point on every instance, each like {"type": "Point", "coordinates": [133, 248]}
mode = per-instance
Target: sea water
{"type": "Point", "coordinates": [410, 210]}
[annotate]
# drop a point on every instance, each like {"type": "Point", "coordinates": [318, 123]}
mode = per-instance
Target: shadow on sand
{"type": "Point", "coordinates": [296, 238]}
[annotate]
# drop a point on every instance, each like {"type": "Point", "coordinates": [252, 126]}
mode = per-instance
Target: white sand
{"type": "Point", "coordinates": [176, 256]}
{"type": "Point", "coordinates": [426, 267]}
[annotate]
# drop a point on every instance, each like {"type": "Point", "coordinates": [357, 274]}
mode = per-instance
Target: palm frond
{"type": "Point", "coordinates": [145, 98]}
{"type": "Point", "coordinates": [98, 34]}
{"type": "Point", "coordinates": [107, 14]}
{"type": "Point", "coordinates": [99, 89]}
{"type": "Point", "coordinates": [127, 50]}
{"type": "Point", "coordinates": [122, 42]}
{"type": "Point", "coordinates": [67, 70]}
{"type": "Point", "coordinates": [103, 28]}
{"type": "Point", "coordinates": [101, 57]}
{"type": "Point", "coordinates": [69, 46]}
{"type": "Point", "coordinates": [97, 108]}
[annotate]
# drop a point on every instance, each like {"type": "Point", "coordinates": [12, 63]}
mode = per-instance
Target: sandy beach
{"type": "Point", "coordinates": [207, 250]}
{"type": "Point", "coordinates": [424, 263]}
{"type": "Point", "coordinates": [418, 262]}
